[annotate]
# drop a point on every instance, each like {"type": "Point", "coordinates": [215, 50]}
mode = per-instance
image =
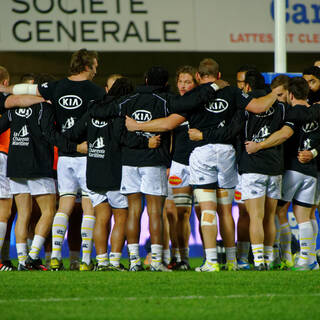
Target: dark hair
{"type": "Point", "coordinates": [82, 59]}
{"type": "Point", "coordinates": [189, 70]}
{"type": "Point", "coordinates": [281, 80]}
{"type": "Point", "coordinates": [157, 76]}
{"type": "Point", "coordinates": [27, 77]}
{"type": "Point", "coordinates": [314, 71]}
{"type": "Point", "coordinates": [208, 67]}
{"type": "Point", "coordinates": [43, 77]}
{"type": "Point", "coordinates": [247, 67]}
{"type": "Point", "coordinates": [254, 79]}
{"type": "Point", "coordinates": [299, 88]}
{"type": "Point", "coordinates": [121, 87]}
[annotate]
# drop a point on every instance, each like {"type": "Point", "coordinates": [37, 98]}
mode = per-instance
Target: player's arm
{"type": "Point", "coordinates": [105, 109]}
{"type": "Point", "coordinates": [156, 125]}
{"type": "Point", "coordinates": [23, 101]}
{"type": "Point", "coordinates": [305, 156]}
{"type": "Point", "coordinates": [262, 104]}
{"type": "Point", "coordinates": [273, 140]}
{"type": "Point", "coordinates": [21, 88]}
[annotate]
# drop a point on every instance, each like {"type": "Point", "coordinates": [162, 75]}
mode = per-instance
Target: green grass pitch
{"type": "Point", "coordinates": [146, 295]}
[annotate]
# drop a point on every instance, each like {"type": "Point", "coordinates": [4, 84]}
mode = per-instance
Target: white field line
{"type": "Point", "coordinates": [236, 296]}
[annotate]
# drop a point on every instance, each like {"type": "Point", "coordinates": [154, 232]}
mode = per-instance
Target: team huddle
{"type": "Point", "coordinates": [206, 147]}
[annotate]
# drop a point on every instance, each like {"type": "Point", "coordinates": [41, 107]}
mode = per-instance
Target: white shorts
{"type": "Point", "coordinates": [147, 180]}
{"type": "Point", "coordinates": [237, 191]}
{"type": "Point", "coordinates": [298, 186]}
{"type": "Point", "coordinates": [213, 164]}
{"type": "Point", "coordinates": [179, 175]}
{"type": "Point", "coordinates": [256, 185]}
{"type": "Point", "coordinates": [114, 198]}
{"type": "Point", "coordinates": [36, 186]}
{"type": "Point", "coordinates": [4, 181]}
{"type": "Point", "coordinates": [71, 172]}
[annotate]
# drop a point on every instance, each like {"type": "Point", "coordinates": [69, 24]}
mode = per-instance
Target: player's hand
{"type": "Point", "coordinates": [131, 124]}
{"type": "Point", "coordinates": [83, 147]}
{"type": "Point", "coordinates": [252, 147]}
{"type": "Point", "coordinates": [195, 134]}
{"type": "Point", "coordinates": [221, 83]}
{"type": "Point", "coordinates": [305, 156]}
{"type": "Point", "coordinates": [154, 142]}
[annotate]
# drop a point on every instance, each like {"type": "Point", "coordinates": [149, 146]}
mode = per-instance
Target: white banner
{"type": "Point", "coordinates": [155, 25]}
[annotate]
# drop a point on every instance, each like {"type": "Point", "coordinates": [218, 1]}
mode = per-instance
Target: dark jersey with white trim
{"type": "Point", "coordinates": [305, 123]}
{"type": "Point", "coordinates": [3, 98]}
{"type": "Point", "coordinates": [32, 137]}
{"type": "Point", "coordinates": [70, 100]}
{"type": "Point", "coordinates": [259, 127]}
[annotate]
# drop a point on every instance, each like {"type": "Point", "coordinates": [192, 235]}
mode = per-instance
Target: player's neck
{"type": "Point", "coordinates": [79, 77]}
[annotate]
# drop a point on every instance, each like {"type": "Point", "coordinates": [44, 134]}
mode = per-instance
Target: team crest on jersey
{"type": "Point", "coordinates": [23, 112]}
{"type": "Point", "coordinates": [98, 144]}
{"type": "Point", "coordinates": [99, 124]}
{"type": "Point", "coordinates": [268, 113]}
{"type": "Point", "coordinates": [44, 85]}
{"type": "Point", "coordinates": [68, 124]}
{"type": "Point", "coordinates": [217, 106]}
{"type": "Point", "coordinates": [70, 102]}
{"type": "Point", "coordinates": [142, 115]}
{"type": "Point", "coordinates": [310, 127]}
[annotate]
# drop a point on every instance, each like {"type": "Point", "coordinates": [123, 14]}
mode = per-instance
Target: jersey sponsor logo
{"type": "Point", "coordinates": [21, 138]}
{"type": "Point", "coordinates": [68, 124]}
{"type": "Point", "coordinates": [70, 102]}
{"type": "Point", "coordinates": [96, 149]}
{"type": "Point", "coordinates": [262, 135]}
{"type": "Point", "coordinates": [23, 132]}
{"type": "Point", "coordinates": [217, 106]}
{"type": "Point", "coordinates": [175, 180]}
{"type": "Point", "coordinates": [23, 112]}
{"type": "Point", "coordinates": [99, 124]}
{"type": "Point", "coordinates": [44, 85]}
{"type": "Point", "coordinates": [310, 127]}
{"type": "Point", "coordinates": [268, 113]}
{"type": "Point", "coordinates": [142, 115]}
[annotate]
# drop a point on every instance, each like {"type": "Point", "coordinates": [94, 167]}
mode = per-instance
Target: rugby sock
{"type": "Point", "coordinates": [257, 250]}
{"type": "Point", "coordinates": [184, 255]}
{"type": "Point", "coordinates": [285, 241]}
{"type": "Point", "coordinates": [134, 256]}
{"type": "Point", "coordinates": [29, 244]}
{"type": "Point", "coordinates": [22, 252]}
{"type": "Point", "coordinates": [166, 256]}
{"type": "Point", "coordinates": [231, 255]}
{"type": "Point", "coordinates": [3, 230]}
{"type": "Point", "coordinates": [156, 254]}
{"type": "Point", "coordinates": [36, 246]}
{"type": "Point", "coordinates": [268, 255]}
{"type": "Point", "coordinates": [87, 236]}
{"type": "Point", "coordinates": [114, 258]}
{"type": "Point", "coordinates": [306, 236]}
{"type": "Point", "coordinates": [243, 248]}
{"type": "Point", "coordinates": [313, 256]}
{"type": "Point", "coordinates": [211, 255]}
{"type": "Point", "coordinates": [276, 246]}
{"type": "Point", "coordinates": [175, 252]}
{"type": "Point", "coordinates": [59, 227]}
{"type": "Point", "coordinates": [102, 259]}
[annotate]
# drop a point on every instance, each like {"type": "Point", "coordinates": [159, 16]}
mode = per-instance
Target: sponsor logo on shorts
{"type": "Point", "coordinates": [217, 106]}
{"type": "Point", "coordinates": [175, 180]}
{"type": "Point", "coordinates": [23, 112]}
{"type": "Point", "coordinates": [99, 124]}
{"type": "Point", "coordinates": [70, 102]}
{"type": "Point", "coordinates": [142, 115]}
{"type": "Point", "coordinates": [237, 195]}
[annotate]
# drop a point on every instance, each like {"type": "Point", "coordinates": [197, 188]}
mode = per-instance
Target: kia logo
{"type": "Point", "coordinates": [217, 106]}
{"type": "Point", "coordinates": [142, 115]}
{"type": "Point", "coordinates": [70, 102]}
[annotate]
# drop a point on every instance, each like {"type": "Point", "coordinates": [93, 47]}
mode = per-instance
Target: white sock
{"type": "Point", "coordinates": [102, 259]}
{"type": "Point", "coordinates": [22, 252]}
{"type": "Point", "coordinates": [134, 255]}
{"type": "Point", "coordinates": [243, 248]}
{"type": "Point", "coordinates": [306, 236]}
{"type": "Point", "coordinates": [231, 254]}
{"type": "Point", "coordinates": [176, 254]}
{"type": "Point", "coordinates": [285, 241]}
{"type": "Point", "coordinates": [59, 227]}
{"type": "Point", "coordinates": [29, 244]}
{"type": "Point", "coordinates": [276, 246]}
{"type": "Point", "coordinates": [313, 255]}
{"type": "Point", "coordinates": [184, 255]}
{"type": "Point", "coordinates": [268, 254]}
{"type": "Point", "coordinates": [211, 255]}
{"type": "Point", "coordinates": [156, 253]}
{"type": "Point", "coordinates": [87, 236]}
{"type": "Point", "coordinates": [3, 230]}
{"type": "Point", "coordinates": [257, 250]}
{"type": "Point", "coordinates": [166, 256]}
{"type": "Point", "coordinates": [114, 258]}
{"type": "Point", "coordinates": [36, 246]}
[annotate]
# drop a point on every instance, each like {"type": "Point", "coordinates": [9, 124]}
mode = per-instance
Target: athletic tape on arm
{"type": "Point", "coordinates": [25, 88]}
